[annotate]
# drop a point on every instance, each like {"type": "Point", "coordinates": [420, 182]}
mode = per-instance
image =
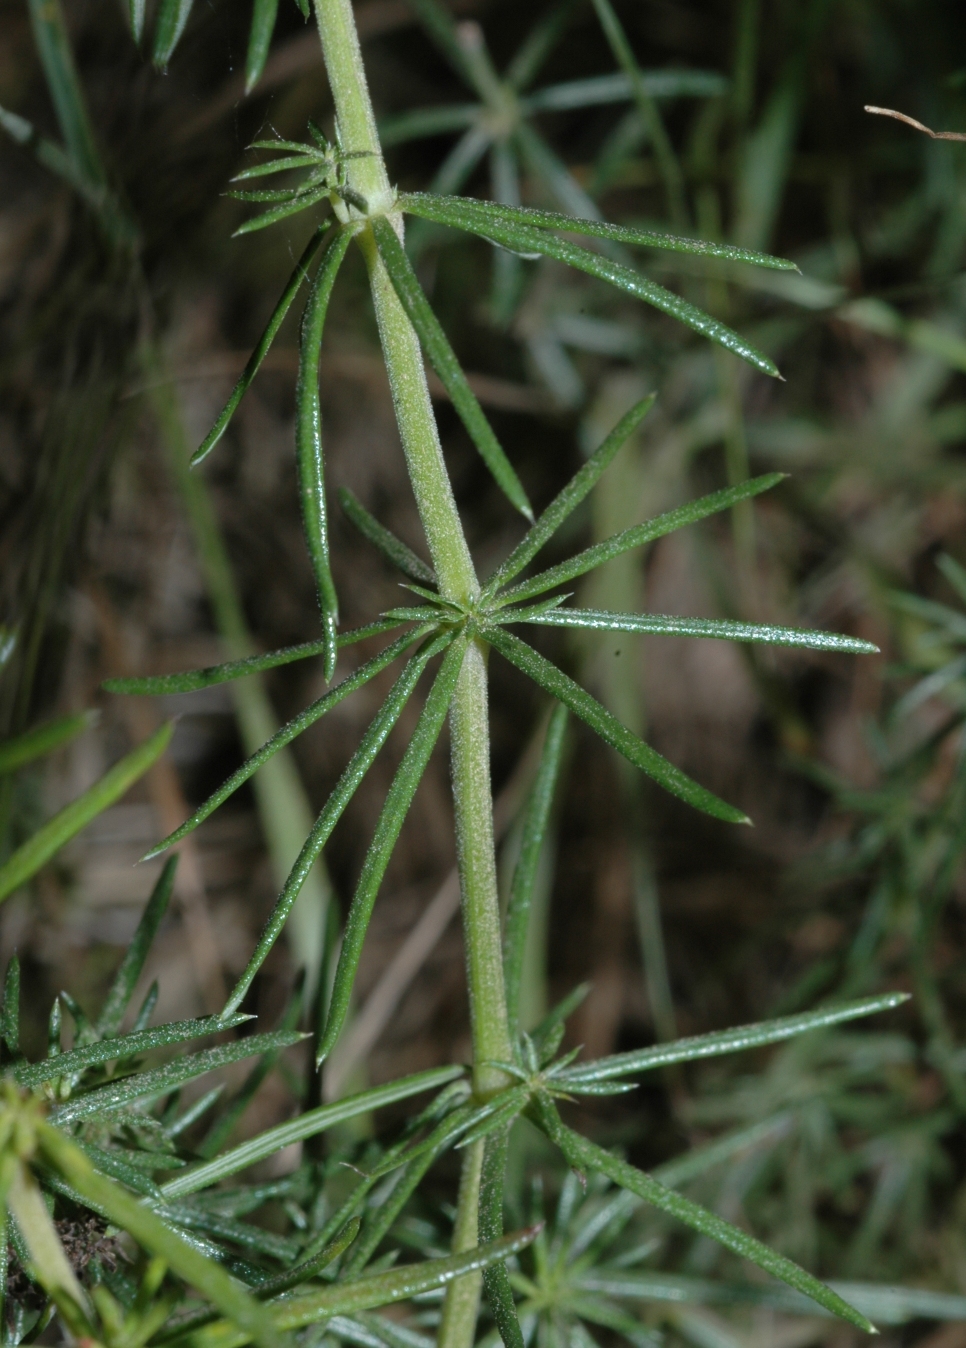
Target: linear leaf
{"type": "Point", "coordinates": [616, 88]}
{"type": "Point", "coordinates": [264, 14]}
{"type": "Point", "coordinates": [294, 161]}
{"type": "Point", "coordinates": [535, 823]}
{"type": "Point", "coordinates": [126, 978]}
{"type": "Point", "coordinates": [444, 362]}
{"type": "Point", "coordinates": [569, 498]}
{"type": "Point", "coordinates": [385, 540]}
{"type": "Point", "coordinates": [299, 201]}
{"type": "Point", "coordinates": [731, 1041]}
{"type": "Point", "coordinates": [261, 348]}
{"type": "Point", "coordinates": [584, 1154]}
{"type": "Point", "coordinates": [172, 18]}
{"type": "Point", "coordinates": [161, 1080]}
{"type": "Point", "coordinates": [370, 1291]}
{"type": "Point", "coordinates": [150, 1231]}
{"type": "Point", "coordinates": [343, 791]}
{"type": "Point", "coordinates": [39, 849]}
{"type": "Point", "coordinates": [308, 441]}
{"type": "Point", "coordinates": [43, 739]}
{"type": "Point", "coordinates": [189, 681]}
{"type": "Point", "coordinates": [232, 1230]}
{"type": "Point", "coordinates": [639, 534]}
{"type": "Point", "coordinates": [611, 731]}
{"type": "Point", "coordinates": [125, 1046]}
{"type": "Point", "coordinates": [459, 210]}
{"type": "Point", "coordinates": [11, 1006]}
{"type": "Point", "coordinates": [309, 1124]}
{"type": "Point", "coordinates": [136, 10]}
{"type": "Point", "coordinates": [496, 1280]}
{"type": "Point", "coordinates": [110, 1162]}
{"type": "Point", "coordinates": [527, 240]}
{"type": "Point", "coordinates": [422, 122]}
{"type": "Point", "coordinates": [286, 734]}
{"type": "Point", "coordinates": [661, 624]}
{"type": "Point", "coordinates": [394, 811]}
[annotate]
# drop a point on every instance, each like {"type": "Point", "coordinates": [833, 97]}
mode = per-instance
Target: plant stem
{"type": "Point", "coordinates": [457, 580]}
{"type": "Point", "coordinates": [461, 1306]}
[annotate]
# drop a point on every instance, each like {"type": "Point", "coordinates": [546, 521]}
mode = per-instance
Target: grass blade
{"type": "Point", "coordinates": [264, 14]}
{"type": "Point", "coordinates": [261, 349]}
{"type": "Point", "coordinates": [39, 849]}
{"type": "Point", "coordinates": [309, 1124]}
{"type": "Point", "coordinates": [730, 1041]}
{"type": "Point", "coordinates": [521, 889]}
{"type": "Point", "coordinates": [210, 1279]}
{"type": "Point", "coordinates": [286, 734]}
{"type": "Point", "coordinates": [43, 739]}
{"type": "Point", "coordinates": [569, 498]}
{"type": "Point", "coordinates": [370, 1291]}
{"type": "Point", "coordinates": [160, 685]}
{"type": "Point", "coordinates": [172, 18]}
{"type": "Point", "coordinates": [478, 216]}
{"type": "Point", "coordinates": [611, 731]}
{"type": "Point", "coordinates": [162, 1080]}
{"type": "Point", "coordinates": [126, 978]}
{"type": "Point", "coordinates": [126, 1046]}
{"type": "Point", "coordinates": [661, 624]}
{"type": "Point", "coordinates": [444, 362]}
{"type": "Point", "coordinates": [343, 791]}
{"type": "Point", "coordinates": [308, 441]}
{"type": "Point", "coordinates": [394, 811]}
{"type": "Point", "coordinates": [382, 538]}
{"type": "Point", "coordinates": [586, 1155]}
{"type": "Point", "coordinates": [639, 534]}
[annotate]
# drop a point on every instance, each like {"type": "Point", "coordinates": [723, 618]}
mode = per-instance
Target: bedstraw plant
{"type": "Point", "coordinates": [87, 1130]}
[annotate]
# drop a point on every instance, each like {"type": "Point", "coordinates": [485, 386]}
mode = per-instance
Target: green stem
{"type": "Point", "coordinates": [457, 580]}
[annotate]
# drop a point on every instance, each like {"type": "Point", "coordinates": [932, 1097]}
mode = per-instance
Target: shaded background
{"type": "Point", "coordinates": [100, 570]}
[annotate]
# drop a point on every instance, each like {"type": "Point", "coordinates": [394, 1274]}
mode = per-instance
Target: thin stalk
{"type": "Point", "coordinates": [457, 580]}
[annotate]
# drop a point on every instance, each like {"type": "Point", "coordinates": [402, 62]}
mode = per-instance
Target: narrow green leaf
{"type": "Point", "coordinates": [294, 161]}
{"type": "Point", "coordinates": [527, 240]}
{"type": "Point", "coordinates": [11, 1008]}
{"type": "Point", "coordinates": [661, 624]}
{"type": "Point", "coordinates": [60, 70]}
{"type": "Point", "coordinates": [459, 211]}
{"type": "Point", "coordinates": [444, 362]}
{"type": "Point", "coordinates": [422, 122]}
{"type": "Point", "coordinates": [232, 1231]}
{"type": "Point", "coordinates": [699, 1160]}
{"type": "Point", "coordinates": [539, 43]}
{"type": "Point", "coordinates": [496, 1279]}
{"type": "Point", "coordinates": [126, 978]}
{"type": "Point", "coordinates": [586, 1155]}
{"type": "Point", "coordinates": [616, 88]}
{"type": "Point", "coordinates": [308, 1124]}
{"type": "Point", "coordinates": [343, 791]}
{"type": "Point", "coordinates": [611, 731]}
{"type": "Point", "coordinates": [172, 18]}
{"type": "Point", "coordinates": [567, 500]}
{"type": "Point", "coordinates": [638, 535]}
{"type": "Point", "coordinates": [125, 1046]}
{"type": "Point", "coordinates": [109, 1162]}
{"type": "Point", "coordinates": [545, 1034]}
{"type": "Point", "coordinates": [440, 26]}
{"type": "Point", "coordinates": [385, 540]}
{"type": "Point", "coordinates": [43, 739]}
{"type": "Point", "coordinates": [264, 13]}
{"type": "Point", "coordinates": [731, 1041]}
{"type": "Point", "coordinates": [308, 440]}
{"type": "Point", "coordinates": [39, 849]}
{"type": "Point", "coordinates": [301, 201]}
{"type": "Point", "coordinates": [369, 1291]}
{"type": "Point", "coordinates": [135, 12]}
{"type": "Point", "coordinates": [159, 685]}
{"type": "Point", "coordinates": [287, 733]}
{"type": "Point", "coordinates": [161, 1080]}
{"type": "Point", "coordinates": [261, 349]}
{"type": "Point", "coordinates": [394, 811]}
{"type": "Point", "coordinates": [208, 1277]}
{"type": "Point", "coordinates": [535, 822]}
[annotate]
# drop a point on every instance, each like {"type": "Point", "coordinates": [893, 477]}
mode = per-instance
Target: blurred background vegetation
{"type": "Point", "coordinates": [117, 350]}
